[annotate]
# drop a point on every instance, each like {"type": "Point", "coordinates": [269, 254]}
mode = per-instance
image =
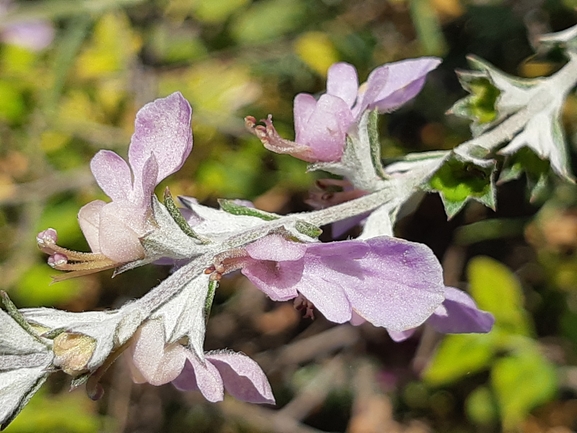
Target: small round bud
{"type": "Point", "coordinates": [72, 352]}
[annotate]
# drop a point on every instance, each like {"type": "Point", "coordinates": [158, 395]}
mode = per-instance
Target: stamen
{"type": "Point", "coordinates": [75, 262]}
{"type": "Point", "coordinates": [302, 303]}
{"type": "Point", "coordinates": [57, 260]}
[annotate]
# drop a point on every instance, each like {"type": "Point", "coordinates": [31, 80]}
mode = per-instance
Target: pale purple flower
{"type": "Point", "coordinates": [153, 361]}
{"type": "Point", "coordinates": [161, 142]}
{"type": "Point", "coordinates": [389, 282]}
{"type": "Point", "coordinates": [32, 34]}
{"type": "Point", "coordinates": [458, 314]}
{"type": "Point", "coordinates": [321, 125]}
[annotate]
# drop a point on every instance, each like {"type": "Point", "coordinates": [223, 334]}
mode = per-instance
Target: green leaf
{"type": "Point", "coordinates": [458, 356]}
{"type": "Point", "coordinates": [481, 407]}
{"type": "Point", "coordinates": [490, 229]}
{"type": "Point", "coordinates": [459, 180]}
{"type": "Point", "coordinates": [216, 11]}
{"type": "Point", "coordinates": [521, 382]}
{"type": "Point", "coordinates": [497, 290]}
{"type": "Point", "coordinates": [428, 27]}
{"type": "Point", "coordinates": [12, 106]}
{"type": "Point", "coordinates": [267, 20]}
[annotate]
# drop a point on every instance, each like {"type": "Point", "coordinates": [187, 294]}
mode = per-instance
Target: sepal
{"type": "Point", "coordinates": [184, 316]}
{"type": "Point", "coordinates": [169, 240]}
{"type": "Point", "coordinates": [529, 108]}
{"type": "Point", "coordinates": [479, 106]}
{"type": "Point", "coordinates": [235, 208]}
{"type": "Point", "coordinates": [179, 219]}
{"type": "Point", "coordinates": [565, 39]}
{"type": "Point", "coordinates": [536, 170]}
{"type": "Point", "coordinates": [494, 95]}
{"type": "Point", "coordinates": [543, 134]}
{"type": "Point", "coordinates": [309, 230]}
{"type": "Point", "coordinates": [216, 224]}
{"type": "Point", "coordinates": [379, 223]}
{"type": "Point", "coordinates": [460, 179]}
{"type": "Point", "coordinates": [80, 323]}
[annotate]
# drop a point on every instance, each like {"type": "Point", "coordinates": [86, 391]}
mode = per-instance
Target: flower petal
{"type": "Point", "coordinates": [278, 280]}
{"type": "Point", "coordinates": [326, 128]}
{"type": "Point", "coordinates": [390, 282]}
{"type": "Point", "coordinates": [322, 286]}
{"type": "Point", "coordinates": [399, 336]}
{"type": "Point", "coordinates": [460, 315]}
{"type": "Point", "coordinates": [89, 221]}
{"type": "Point", "coordinates": [342, 81]}
{"type": "Point", "coordinates": [112, 175]}
{"type": "Point", "coordinates": [162, 128]}
{"type": "Point", "coordinates": [120, 230]}
{"type": "Point", "coordinates": [399, 284]}
{"type": "Point", "coordinates": [303, 107]}
{"type": "Point", "coordinates": [242, 377]}
{"type": "Point", "coordinates": [370, 90]}
{"type": "Point", "coordinates": [157, 362]}
{"type": "Point", "coordinates": [34, 35]}
{"type": "Point", "coordinates": [405, 80]}
{"type": "Point", "coordinates": [200, 376]}
{"type": "Point", "coordinates": [277, 248]}
{"type": "Point", "coordinates": [144, 190]}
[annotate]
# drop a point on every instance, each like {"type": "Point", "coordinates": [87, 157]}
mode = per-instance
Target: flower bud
{"type": "Point", "coordinates": [72, 352]}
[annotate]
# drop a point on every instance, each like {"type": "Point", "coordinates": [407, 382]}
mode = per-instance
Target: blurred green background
{"type": "Point", "coordinates": [76, 90]}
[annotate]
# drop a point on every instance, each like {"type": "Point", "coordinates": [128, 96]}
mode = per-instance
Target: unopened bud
{"type": "Point", "coordinates": [72, 352]}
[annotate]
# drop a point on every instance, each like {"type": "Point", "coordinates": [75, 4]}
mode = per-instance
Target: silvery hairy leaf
{"type": "Point", "coordinates": [25, 361]}
{"type": "Point", "coordinates": [184, 314]}
{"type": "Point", "coordinates": [109, 329]}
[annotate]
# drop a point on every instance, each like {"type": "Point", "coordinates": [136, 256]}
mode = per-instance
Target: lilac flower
{"type": "Point", "coordinates": [321, 125]}
{"type": "Point", "coordinates": [158, 363]}
{"type": "Point", "coordinates": [458, 314]}
{"type": "Point", "coordinates": [160, 144]}
{"type": "Point", "coordinates": [32, 34]}
{"type": "Point", "coordinates": [390, 282]}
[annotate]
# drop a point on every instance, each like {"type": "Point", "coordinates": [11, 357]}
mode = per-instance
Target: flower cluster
{"type": "Point", "coordinates": [387, 281]}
